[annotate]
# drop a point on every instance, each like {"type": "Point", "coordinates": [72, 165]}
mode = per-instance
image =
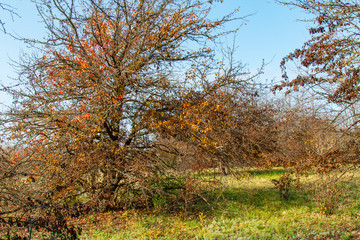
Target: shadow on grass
{"type": "Point", "coordinates": [265, 199]}
{"type": "Point", "coordinates": [251, 208]}
{"type": "Point", "coordinates": [266, 173]}
{"type": "Point", "coordinates": [248, 194]}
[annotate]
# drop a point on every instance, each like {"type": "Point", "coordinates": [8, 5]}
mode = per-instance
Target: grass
{"type": "Point", "coordinates": [248, 208]}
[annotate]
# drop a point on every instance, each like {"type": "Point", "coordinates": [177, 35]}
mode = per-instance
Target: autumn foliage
{"type": "Point", "coordinates": [126, 100]}
{"type": "Point", "coordinates": [328, 70]}
{"type": "Point", "coordinates": [329, 59]}
{"type": "Point", "coordinates": [110, 79]}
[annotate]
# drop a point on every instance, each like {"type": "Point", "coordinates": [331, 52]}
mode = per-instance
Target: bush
{"type": "Point", "coordinates": [329, 193]}
{"type": "Point", "coordinates": [284, 184]}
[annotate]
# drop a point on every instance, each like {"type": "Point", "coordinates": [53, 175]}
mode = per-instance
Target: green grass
{"type": "Point", "coordinates": [248, 208]}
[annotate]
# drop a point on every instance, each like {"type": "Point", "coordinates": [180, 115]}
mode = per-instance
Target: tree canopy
{"type": "Point", "coordinates": [111, 77]}
{"type": "Point", "coordinates": [329, 61]}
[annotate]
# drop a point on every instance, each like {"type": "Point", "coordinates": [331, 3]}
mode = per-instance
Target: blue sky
{"type": "Point", "coordinates": [271, 32]}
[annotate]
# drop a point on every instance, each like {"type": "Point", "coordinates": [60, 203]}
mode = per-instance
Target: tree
{"type": "Point", "coordinates": [108, 79]}
{"type": "Point", "coordinates": [329, 66]}
{"type": "Point", "coordinates": [228, 129]}
{"type": "Point", "coordinates": [330, 59]}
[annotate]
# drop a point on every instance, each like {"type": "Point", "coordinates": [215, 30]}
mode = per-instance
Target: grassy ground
{"type": "Point", "coordinates": [249, 208]}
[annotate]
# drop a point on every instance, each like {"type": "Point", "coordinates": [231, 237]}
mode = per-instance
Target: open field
{"type": "Point", "coordinates": [248, 208]}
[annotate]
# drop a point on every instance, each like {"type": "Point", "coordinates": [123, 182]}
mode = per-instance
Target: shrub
{"type": "Point", "coordinates": [284, 184]}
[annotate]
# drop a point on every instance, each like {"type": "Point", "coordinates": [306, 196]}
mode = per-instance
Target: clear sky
{"type": "Point", "coordinates": [271, 32]}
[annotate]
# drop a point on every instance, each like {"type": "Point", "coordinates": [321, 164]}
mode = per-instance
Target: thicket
{"type": "Point", "coordinates": [117, 111]}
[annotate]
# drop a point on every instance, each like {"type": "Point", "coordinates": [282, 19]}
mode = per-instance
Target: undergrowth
{"type": "Point", "coordinates": [242, 208]}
